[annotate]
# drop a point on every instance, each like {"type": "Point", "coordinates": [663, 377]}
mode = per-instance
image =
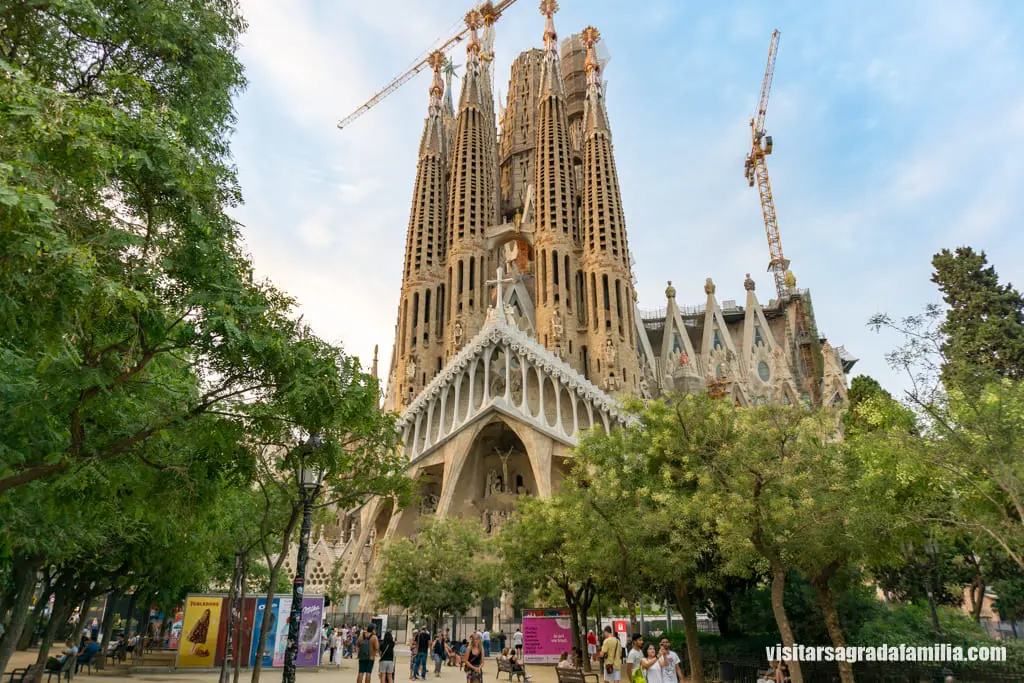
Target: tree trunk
{"type": "Point", "coordinates": [24, 588]}
{"type": "Point", "coordinates": [977, 598]}
{"type": "Point", "coordinates": [632, 621]}
{"type": "Point", "coordinates": [827, 600]}
{"type": "Point", "coordinates": [63, 606]}
{"type": "Point", "coordinates": [572, 603]}
{"type": "Point", "coordinates": [232, 642]}
{"type": "Point", "coordinates": [684, 603]}
{"type": "Point", "coordinates": [32, 623]}
{"type": "Point", "coordinates": [240, 629]}
{"type": "Point", "coordinates": [133, 608]}
{"type": "Point", "coordinates": [781, 619]}
{"type": "Point", "coordinates": [107, 627]}
{"type": "Point", "coordinates": [723, 613]}
{"type": "Point", "coordinates": [275, 570]}
{"type": "Point", "coordinates": [586, 599]}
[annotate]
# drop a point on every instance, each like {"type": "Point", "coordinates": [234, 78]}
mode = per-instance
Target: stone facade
{"type": "Point", "coordinates": [518, 327]}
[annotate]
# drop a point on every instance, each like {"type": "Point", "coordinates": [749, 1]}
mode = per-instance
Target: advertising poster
{"type": "Point", "coordinates": [269, 636]}
{"type": "Point", "coordinates": [621, 627]}
{"type": "Point", "coordinates": [200, 631]}
{"type": "Point", "coordinates": [284, 612]}
{"type": "Point", "coordinates": [547, 633]}
{"type": "Point", "coordinates": [242, 645]}
{"type": "Point", "coordinates": [309, 632]}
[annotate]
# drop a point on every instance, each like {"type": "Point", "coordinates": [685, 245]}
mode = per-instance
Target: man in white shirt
{"type": "Point", "coordinates": [486, 638]}
{"type": "Point", "coordinates": [517, 641]}
{"type": "Point", "coordinates": [634, 657]}
{"type": "Point", "coordinates": [673, 673]}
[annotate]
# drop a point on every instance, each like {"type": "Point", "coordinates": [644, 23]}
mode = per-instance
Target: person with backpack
{"type": "Point", "coordinates": [367, 647]}
{"type": "Point", "coordinates": [419, 668]}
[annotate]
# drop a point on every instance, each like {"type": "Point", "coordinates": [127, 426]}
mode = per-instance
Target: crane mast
{"type": "Point", "coordinates": [756, 171]}
{"type": "Point", "coordinates": [491, 12]}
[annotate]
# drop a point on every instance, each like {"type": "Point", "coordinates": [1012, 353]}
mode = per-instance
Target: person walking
{"type": "Point", "coordinates": [334, 647]}
{"type": "Point", "coordinates": [475, 661]}
{"type": "Point", "coordinates": [367, 647]}
{"type": "Point", "coordinates": [422, 648]}
{"type": "Point", "coordinates": [611, 656]}
{"type": "Point", "coordinates": [591, 644]}
{"type": "Point", "coordinates": [517, 641]}
{"type": "Point", "coordinates": [437, 654]}
{"type": "Point", "coordinates": [486, 638]}
{"type": "Point", "coordinates": [387, 658]}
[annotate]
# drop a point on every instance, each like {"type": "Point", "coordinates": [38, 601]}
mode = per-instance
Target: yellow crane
{"type": "Point", "coordinates": [756, 170]}
{"type": "Point", "coordinates": [489, 12]}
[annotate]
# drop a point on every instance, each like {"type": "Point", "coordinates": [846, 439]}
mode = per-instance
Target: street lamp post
{"type": "Point", "coordinates": [310, 481]}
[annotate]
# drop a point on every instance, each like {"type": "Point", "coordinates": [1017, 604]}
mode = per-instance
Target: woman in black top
{"type": "Point", "coordinates": [475, 660]}
{"type": "Point", "coordinates": [387, 658]}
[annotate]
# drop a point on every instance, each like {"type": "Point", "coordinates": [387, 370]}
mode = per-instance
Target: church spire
{"type": "Point", "coordinates": [558, 270]}
{"type": "Point", "coordinates": [472, 197]}
{"type": "Point", "coordinates": [606, 254]}
{"type": "Point", "coordinates": [420, 315]}
{"type": "Point", "coordinates": [594, 114]}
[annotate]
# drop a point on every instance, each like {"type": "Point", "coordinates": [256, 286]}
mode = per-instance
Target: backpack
{"type": "Point", "coordinates": [364, 648]}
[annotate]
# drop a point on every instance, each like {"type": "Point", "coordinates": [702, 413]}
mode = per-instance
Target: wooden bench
{"type": "Point", "coordinates": [505, 667]}
{"type": "Point", "coordinates": [574, 675]}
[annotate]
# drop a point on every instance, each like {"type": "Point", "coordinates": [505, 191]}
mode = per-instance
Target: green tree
{"type": "Point", "coordinates": [984, 325]}
{"type": "Point", "coordinates": [128, 308]}
{"type": "Point", "coordinates": [549, 543]}
{"type": "Point", "coordinates": [446, 567]}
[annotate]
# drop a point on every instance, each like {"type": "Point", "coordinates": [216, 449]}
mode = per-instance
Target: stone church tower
{"type": "Point", "coordinates": [517, 324]}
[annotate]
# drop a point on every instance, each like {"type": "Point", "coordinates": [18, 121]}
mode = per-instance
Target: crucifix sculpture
{"type": "Point", "coordinates": [499, 281]}
{"type": "Point", "coordinates": [504, 469]}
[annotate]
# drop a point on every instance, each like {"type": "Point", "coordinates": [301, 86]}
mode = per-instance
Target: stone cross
{"type": "Point", "coordinates": [498, 282]}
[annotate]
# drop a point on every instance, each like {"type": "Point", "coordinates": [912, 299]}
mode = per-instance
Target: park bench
{"type": "Point", "coordinates": [574, 676]}
{"type": "Point", "coordinates": [505, 667]}
{"type": "Point", "coordinates": [87, 662]}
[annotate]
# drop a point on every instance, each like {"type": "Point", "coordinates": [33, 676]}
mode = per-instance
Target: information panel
{"type": "Point", "coordinates": [547, 633]}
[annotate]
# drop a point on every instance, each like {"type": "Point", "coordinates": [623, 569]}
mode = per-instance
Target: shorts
{"type": "Point", "coordinates": [366, 666]}
{"type": "Point", "coordinates": [591, 649]}
{"type": "Point", "coordinates": [613, 676]}
{"type": "Point", "coordinates": [387, 666]}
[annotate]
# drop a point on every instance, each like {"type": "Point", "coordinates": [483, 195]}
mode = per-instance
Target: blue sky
{"type": "Point", "coordinates": [898, 128]}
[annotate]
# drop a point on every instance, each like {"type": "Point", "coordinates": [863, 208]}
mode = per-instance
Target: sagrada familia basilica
{"type": "Point", "coordinates": [518, 325]}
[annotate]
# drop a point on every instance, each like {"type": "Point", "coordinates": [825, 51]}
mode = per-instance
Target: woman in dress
{"type": "Point", "coordinates": [336, 647]}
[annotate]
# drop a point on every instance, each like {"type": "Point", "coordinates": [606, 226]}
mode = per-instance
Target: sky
{"type": "Point", "coordinates": [898, 130]}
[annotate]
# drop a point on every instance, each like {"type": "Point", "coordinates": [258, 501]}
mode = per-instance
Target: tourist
{"type": "Point", "coordinates": [486, 636]}
{"type": "Point", "coordinates": [517, 641]}
{"type": "Point", "coordinates": [517, 665]}
{"type": "Point", "coordinates": [611, 655]}
{"type": "Point", "coordinates": [672, 671]}
{"type": "Point", "coordinates": [335, 643]}
{"type": "Point", "coordinates": [412, 653]}
{"type": "Point", "coordinates": [438, 655]}
{"type": "Point", "coordinates": [86, 654]}
{"type": "Point", "coordinates": [563, 661]}
{"type": "Point", "coordinates": [475, 661]}
{"type": "Point", "coordinates": [419, 669]}
{"type": "Point", "coordinates": [367, 647]}
{"type": "Point", "coordinates": [591, 644]}
{"type": "Point", "coordinates": [634, 668]}
{"type": "Point", "coordinates": [387, 658]}
{"type": "Point", "coordinates": [654, 663]}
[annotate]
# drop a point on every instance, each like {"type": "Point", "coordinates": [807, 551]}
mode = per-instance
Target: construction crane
{"type": "Point", "coordinates": [490, 13]}
{"type": "Point", "coordinates": [756, 170]}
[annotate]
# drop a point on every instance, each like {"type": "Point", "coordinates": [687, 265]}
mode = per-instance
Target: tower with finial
{"type": "Point", "coordinates": [606, 266]}
{"type": "Point", "coordinates": [559, 271]}
{"type": "Point", "coordinates": [472, 197]}
{"type": "Point", "coordinates": [421, 313]}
